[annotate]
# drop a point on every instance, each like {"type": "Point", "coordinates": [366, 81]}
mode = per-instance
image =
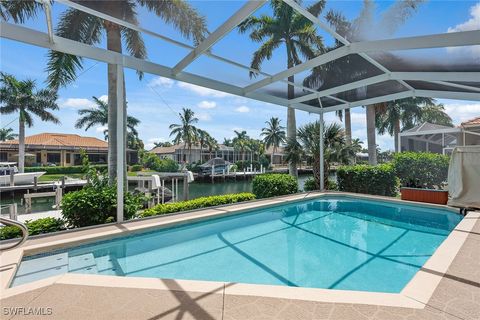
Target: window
{"type": "Point", "coordinates": [3, 156]}
{"type": "Point", "coordinates": [68, 158]}
{"type": "Point", "coordinates": [53, 158]}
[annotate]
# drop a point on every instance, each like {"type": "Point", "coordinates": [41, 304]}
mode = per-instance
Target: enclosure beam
{"type": "Point", "coordinates": [321, 164]}
{"type": "Point", "coordinates": [452, 39]}
{"type": "Point", "coordinates": [40, 39]}
{"type": "Point", "coordinates": [48, 15]}
{"type": "Point", "coordinates": [437, 77]}
{"type": "Point", "coordinates": [456, 85]}
{"type": "Point", "coordinates": [132, 26]}
{"type": "Point", "coordinates": [120, 143]}
{"type": "Point", "coordinates": [245, 11]}
{"type": "Point", "coordinates": [474, 96]}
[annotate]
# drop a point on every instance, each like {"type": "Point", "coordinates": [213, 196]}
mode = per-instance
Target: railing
{"type": "Point", "coordinates": [23, 227]}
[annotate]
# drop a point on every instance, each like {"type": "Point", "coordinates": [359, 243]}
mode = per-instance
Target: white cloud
{"type": "Point", "coordinates": [207, 104]}
{"type": "Point", "coordinates": [103, 98]}
{"type": "Point", "coordinates": [204, 116]}
{"type": "Point", "coordinates": [461, 112]}
{"type": "Point", "coordinates": [101, 129]}
{"type": "Point", "coordinates": [76, 103]}
{"type": "Point", "coordinates": [243, 109]}
{"type": "Point", "coordinates": [201, 91]}
{"type": "Point", "coordinates": [161, 82]}
{"type": "Point", "coordinates": [471, 24]}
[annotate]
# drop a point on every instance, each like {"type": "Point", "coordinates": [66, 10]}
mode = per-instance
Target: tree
{"type": "Point", "coordinates": [83, 27]}
{"type": "Point", "coordinates": [353, 67]}
{"type": "Point", "coordinates": [240, 142]}
{"type": "Point", "coordinates": [397, 113]}
{"type": "Point", "coordinates": [212, 145]}
{"type": "Point", "coordinates": [98, 116]}
{"type": "Point", "coordinates": [186, 131]}
{"type": "Point", "coordinates": [273, 135]}
{"type": "Point", "coordinates": [7, 134]}
{"type": "Point", "coordinates": [290, 30]}
{"type": "Point", "coordinates": [432, 113]}
{"type": "Point", "coordinates": [22, 97]}
{"type": "Point", "coordinates": [162, 144]}
{"type": "Point", "coordinates": [335, 148]}
{"type": "Point", "coordinates": [202, 137]}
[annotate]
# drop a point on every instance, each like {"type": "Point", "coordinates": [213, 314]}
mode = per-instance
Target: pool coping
{"type": "Point", "coordinates": [414, 295]}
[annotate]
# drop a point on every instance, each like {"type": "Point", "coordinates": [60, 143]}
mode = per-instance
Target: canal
{"type": "Point", "coordinates": [195, 190]}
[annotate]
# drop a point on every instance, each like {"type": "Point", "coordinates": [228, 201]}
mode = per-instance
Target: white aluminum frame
{"type": "Point", "coordinates": [454, 39]}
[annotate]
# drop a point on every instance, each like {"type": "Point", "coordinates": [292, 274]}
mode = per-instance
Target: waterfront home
{"type": "Point", "coordinates": [60, 149]}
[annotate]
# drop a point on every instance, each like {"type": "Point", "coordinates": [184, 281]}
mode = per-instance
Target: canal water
{"type": "Point", "coordinates": [195, 190]}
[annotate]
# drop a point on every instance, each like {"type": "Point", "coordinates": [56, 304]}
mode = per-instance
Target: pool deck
{"type": "Point", "coordinates": [447, 287]}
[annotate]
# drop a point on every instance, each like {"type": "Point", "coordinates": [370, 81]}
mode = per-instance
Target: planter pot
{"type": "Point", "coordinates": [425, 195]}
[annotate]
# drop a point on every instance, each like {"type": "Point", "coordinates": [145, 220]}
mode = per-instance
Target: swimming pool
{"type": "Point", "coordinates": [328, 242]}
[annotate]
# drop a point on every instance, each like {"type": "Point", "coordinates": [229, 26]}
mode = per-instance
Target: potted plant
{"type": "Point", "coordinates": [422, 176]}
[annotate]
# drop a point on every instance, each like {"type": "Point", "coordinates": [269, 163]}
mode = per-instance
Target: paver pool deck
{"type": "Point", "coordinates": [447, 287]}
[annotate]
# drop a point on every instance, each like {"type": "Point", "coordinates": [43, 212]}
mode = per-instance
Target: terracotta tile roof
{"type": "Point", "coordinates": [61, 140]}
{"type": "Point", "coordinates": [163, 150]}
{"type": "Point", "coordinates": [472, 122]}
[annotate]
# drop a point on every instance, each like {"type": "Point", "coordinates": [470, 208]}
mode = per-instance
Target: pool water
{"type": "Point", "coordinates": [328, 242]}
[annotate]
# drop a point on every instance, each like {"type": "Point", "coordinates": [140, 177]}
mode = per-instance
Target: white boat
{"type": "Point", "coordinates": [18, 178]}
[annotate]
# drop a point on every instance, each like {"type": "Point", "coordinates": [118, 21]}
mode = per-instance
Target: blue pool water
{"type": "Point", "coordinates": [328, 242]}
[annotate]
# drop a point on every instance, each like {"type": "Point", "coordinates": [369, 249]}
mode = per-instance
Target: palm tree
{"type": "Point", "coordinates": [186, 131]}
{"type": "Point", "coordinates": [7, 134]}
{"type": "Point", "coordinates": [23, 97]}
{"type": "Point", "coordinates": [396, 113]}
{"type": "Point", "coordinates": [162, 144]}
{"type": "Point", "coordinates": [335, 147]}
{"type": "Point", "coordinates": [354, 67]}
{"type": "Point", "coordinates": [432, 113]}
{"type": "Point", "coordinates": [273, 135]}
{"type": "Point", "coordinates": [289, 29]}
{"type": "Point", "coordinates": [212, 145]}
{"type": "Point", "coordinates": [83, 27]}
{"type": "Point", "coordinates": [202, 137]}
{"type": "Point", "coordinates": [240, 142]}
{"type": "Point", "coordinates": [98, 116]}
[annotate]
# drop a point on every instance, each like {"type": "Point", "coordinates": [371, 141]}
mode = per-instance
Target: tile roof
{"type": "Point", "coordinates": [472, 122]}
{"type": "Point", "coordinates": [61, 140]}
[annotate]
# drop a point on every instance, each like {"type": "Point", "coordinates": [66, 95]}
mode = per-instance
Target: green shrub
{"type": "Point", "coordinates": [378, 180]}
{"type": "Point", "coordinates": [97, 205]}
{"type": "Point", "coordinates": [65, 170]}
{"type": "Point", "coordinates": [274, 184]}
{"type": "Point", "coordinates": [44, 225]}
{"type": "Point", "coordinates": [421, 169]}
{"type": "Point", "coordinates": [136, 168]}
{"type": "Point", "coordinates": [309, 185]}
{"type": "Point", "coordinates": [203, 202]}
{"type": "Point", "coordinates": [153, 162]}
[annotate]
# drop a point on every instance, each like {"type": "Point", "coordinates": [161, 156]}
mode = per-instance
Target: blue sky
{"type": "Point", "coordinates": [157, 101]}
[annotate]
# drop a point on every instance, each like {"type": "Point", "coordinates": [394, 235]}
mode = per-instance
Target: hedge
{"type": "Point", "coordinates": [94, 205]}
{"type": "Point", "coordinates": [203, 202]}
{"type": "Point", "coordinates": [309, 185]}
{"type": "Point", "coordinates": [44, 225]}
{"type": "Point", "coordinates": [65, 170]}
{"type": "Point", "coordinates": [378, 180]}
{"type": "Point", "coordinates": [421, 169]}
{"type": "Point", "coordinates": [274, 184]}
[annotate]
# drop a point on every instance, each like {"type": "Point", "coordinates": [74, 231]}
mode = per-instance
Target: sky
{"type": "Point", "coordinates": [156, 101]}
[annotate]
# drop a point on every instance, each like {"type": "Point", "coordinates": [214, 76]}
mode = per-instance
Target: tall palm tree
{"type": "Point", "coordinates": [240, 142]}
{"type": "Point", "coordinates": [432, 113]}
{"type": "Point", "coordinates": [83, 27]}
{"type": "Point", "coordinates": [290, 30]}
{"type": "Point", "coordinates": [23, 97]}
{"type": "Point", "coordinates": [202, 137]}
{"type": "Point", "coordinates": [273, 135]}
{"type": "Point", "coordinates": [212, 145]}
{"type": "Point", "coordinates": [7, 134]}
{"type": "Point", "coordinates": [98, 116]}
{"type": "Point", "coordinates": [400, 112]}
{"type": "Point", "coordinates": [185, 132]}
{"type": "Point", "coordinates": [334, 146]}
{"type": "Point", "coordinates": [353, 67]}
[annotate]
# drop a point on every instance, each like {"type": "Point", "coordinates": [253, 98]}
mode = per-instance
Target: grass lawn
{"type": "Point", "coordinates": [58, 176]}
